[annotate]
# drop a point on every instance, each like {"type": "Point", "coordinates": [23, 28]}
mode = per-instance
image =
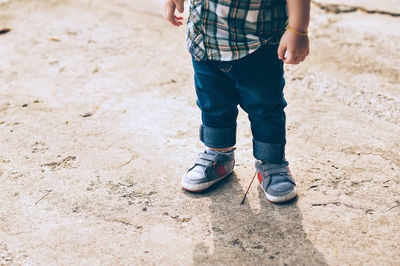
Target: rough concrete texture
{"type": "Point", "coordinates": [98, 123]}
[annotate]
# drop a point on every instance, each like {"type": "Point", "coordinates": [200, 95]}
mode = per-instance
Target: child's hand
{"type": "Point", "coordinates": [293, 48]}
{"type": "Point", "coordinates": [170, 7]}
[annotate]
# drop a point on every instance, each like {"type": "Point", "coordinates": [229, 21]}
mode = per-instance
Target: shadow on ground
{"type": "Point", "coordinates": [272, 237]}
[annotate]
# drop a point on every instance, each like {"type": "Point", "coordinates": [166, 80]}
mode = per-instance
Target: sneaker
{"type": "Point", "coordinates": [277, 181]}
{"type": "Point", "coordinates": [209, 168]}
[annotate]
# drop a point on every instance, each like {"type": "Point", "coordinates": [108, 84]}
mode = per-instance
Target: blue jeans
{"type": "Point", "coordinates": [254, 82]}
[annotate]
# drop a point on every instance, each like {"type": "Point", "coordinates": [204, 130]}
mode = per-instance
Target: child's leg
{"type": "Point", "coordinates": [259, 80]}
{"type": "Point", "coordinates": [217, 98]}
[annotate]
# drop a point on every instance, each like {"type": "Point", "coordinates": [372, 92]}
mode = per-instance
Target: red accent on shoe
{"type": "Point", "coordinates": [289, 171]}
{"type": "Point", "coordinates": [259, 176]}
{"type": "Point", "coordinates": [221, 171]}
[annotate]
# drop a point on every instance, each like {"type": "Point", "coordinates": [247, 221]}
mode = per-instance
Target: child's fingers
{"type": "Point", "coordinates": [170, 10]}
{"type": "Point", "coordinates": [179, 20]}
{"type": "Point", "coordinates": [179, 5]}
{"type": "Point", "coordinates": [281, 52]}
{"type": "Point", "coordinates": [289, 58]}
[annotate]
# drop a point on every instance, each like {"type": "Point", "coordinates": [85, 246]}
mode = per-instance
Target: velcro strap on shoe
{"type": "Point", "coordinates": [276, 171]}
{"type": "Point", "coordinates": [283, 171]}
{"type": "Point", "coordinates": [290, 177]}
{"type": "Point", "coordinates": [209, 157]}
{"type": "Point", "coordinates": [200, 161]}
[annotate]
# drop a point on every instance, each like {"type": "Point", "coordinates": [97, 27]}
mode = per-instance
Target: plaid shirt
{"type": "Point", "coordinates": [226, 30]}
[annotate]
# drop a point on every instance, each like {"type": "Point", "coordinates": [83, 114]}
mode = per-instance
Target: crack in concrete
{"type": "Point", "coordinates": [339, 8]}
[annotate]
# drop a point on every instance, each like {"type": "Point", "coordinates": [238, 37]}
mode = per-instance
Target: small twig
{"type": "Point", "coordinates": [244, 197]}
{"type": "Point", "coordinates": [45, 195]}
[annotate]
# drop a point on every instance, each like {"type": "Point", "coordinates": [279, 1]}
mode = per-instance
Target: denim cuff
{"type": "Point", "coordinates": [218, 137]}
{"type": "Point", "coordinates": [272, 153]}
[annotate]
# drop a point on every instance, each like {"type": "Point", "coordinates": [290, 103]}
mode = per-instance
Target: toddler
{"type": "Point", "coordinates": [238, 49]}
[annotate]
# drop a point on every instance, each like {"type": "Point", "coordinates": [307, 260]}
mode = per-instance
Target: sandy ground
{"type": "Point", "coordinates": [98, 123]}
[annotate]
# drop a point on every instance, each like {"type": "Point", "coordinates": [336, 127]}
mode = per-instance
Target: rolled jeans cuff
{"type": "Point", "coordinates": [272, 153]}
{"type": "Point", "coordinates": [218, 138]}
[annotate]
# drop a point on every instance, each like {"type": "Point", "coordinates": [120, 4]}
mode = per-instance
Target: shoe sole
{"type": "Point", "coordinates": [202, 186]}
{"type": "Point", "coordinates": [280, 199]}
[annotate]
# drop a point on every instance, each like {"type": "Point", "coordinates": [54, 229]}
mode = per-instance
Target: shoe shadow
{"type": "Point", "coordinates": [274, 236]}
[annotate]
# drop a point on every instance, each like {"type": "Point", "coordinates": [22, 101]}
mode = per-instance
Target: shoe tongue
{"type": "Point", "coordinates": [208, 151]}
{"type": "Point", "coordinates": [275, 165]}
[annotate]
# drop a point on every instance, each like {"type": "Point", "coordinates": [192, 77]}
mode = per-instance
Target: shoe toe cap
{"type": "Point", "coordinates": [280, 187]}
{"type": "Point", "coordinates": [194, 176]}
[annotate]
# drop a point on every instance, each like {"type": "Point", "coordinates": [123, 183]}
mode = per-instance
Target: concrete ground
{"type": "Point", "coordinates": [98, 123]}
